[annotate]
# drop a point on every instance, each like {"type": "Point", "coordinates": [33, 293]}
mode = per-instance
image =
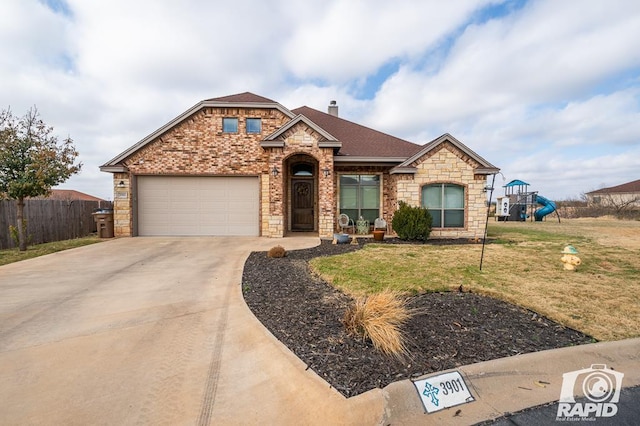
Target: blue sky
{"type": "Point", "coordinates": [547, 90]}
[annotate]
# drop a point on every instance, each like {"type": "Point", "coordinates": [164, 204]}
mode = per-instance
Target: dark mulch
{"type": "Point", "coordinates": [453, 329]}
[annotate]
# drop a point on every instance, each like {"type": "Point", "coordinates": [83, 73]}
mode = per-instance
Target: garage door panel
{"type": "Point", "coordinates": [214, 205]}
{"type": "Point", "coordinates": [239, 218]}
{"type": "Point", "coordinates": [198, 205]}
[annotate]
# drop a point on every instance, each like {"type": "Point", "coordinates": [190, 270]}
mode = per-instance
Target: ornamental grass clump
{"type": "Point", "coordinates": [276, 252]}
{"type": "Point", "coordinates": [379, 318]}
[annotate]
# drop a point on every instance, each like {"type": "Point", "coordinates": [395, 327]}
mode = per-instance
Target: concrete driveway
{"type": "Point", "coordinates": [152, 331]}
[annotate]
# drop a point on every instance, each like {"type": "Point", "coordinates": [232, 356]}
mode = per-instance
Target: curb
{"type": "Point", "coordinates": [509, 385]}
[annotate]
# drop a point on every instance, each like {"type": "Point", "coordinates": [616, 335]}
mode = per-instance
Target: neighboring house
{"type": "Point", "coordinates": [627, 194]}
{"type": "Point", "coordinates": [246, 165]}
{"type": "Point", "coordinates": [70, 195]}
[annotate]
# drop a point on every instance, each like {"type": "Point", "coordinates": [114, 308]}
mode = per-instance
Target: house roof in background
{"type": "Point", "coordinates": [633, 186]}
{"type": "Point", "coordinates": [68, 195]}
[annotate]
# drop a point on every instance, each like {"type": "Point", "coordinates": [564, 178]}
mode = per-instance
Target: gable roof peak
{"type": "Point", "coordinates": [244, 97]}
{"type": "Point", "coordinates": [484, 166]}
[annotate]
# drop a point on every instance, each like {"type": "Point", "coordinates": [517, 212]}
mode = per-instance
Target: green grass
{"type": "Point", "coordinates": [14, 255]}
{"type": "Point", "coordinates": [522, 266]}
{"type": "Point", "coordinates": [404, 268]}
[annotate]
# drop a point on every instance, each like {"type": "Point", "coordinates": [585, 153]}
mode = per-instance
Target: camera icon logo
{"type": "Point", "coordinates": [601, 386]}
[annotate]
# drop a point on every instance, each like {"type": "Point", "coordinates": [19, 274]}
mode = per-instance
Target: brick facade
{"type": "Point", "coordinates": [197, 146]}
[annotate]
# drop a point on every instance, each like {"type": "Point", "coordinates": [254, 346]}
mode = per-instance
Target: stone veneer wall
{"type": "Point", "coordinates": [122, 221]}
{"type": "Point", "coordinates": [449, 165]}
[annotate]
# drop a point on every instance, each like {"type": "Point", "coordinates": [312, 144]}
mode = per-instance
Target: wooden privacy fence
{"type": "Point", "coordinates": [50, 220]}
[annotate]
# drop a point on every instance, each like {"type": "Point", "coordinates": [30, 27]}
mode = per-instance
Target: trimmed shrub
{"type": "Point", "coordinates": [379, 318]}
{"type": "Point", "coordinates": [276, 252]}
{"type": "Point", "coordinates": [412, 223]}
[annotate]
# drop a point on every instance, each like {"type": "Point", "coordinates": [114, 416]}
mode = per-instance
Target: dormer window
{"type": "Point", "coordinates": [230, 125]}
{"type": "Point", "coordinates": [254, 125]}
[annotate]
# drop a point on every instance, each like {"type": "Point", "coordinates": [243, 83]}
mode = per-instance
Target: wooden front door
{"type": "Point", "coordinates": [302, 203]}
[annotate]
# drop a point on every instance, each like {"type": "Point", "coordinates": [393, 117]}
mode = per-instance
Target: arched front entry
{"type": "Point", "coordinates": [302, 193]}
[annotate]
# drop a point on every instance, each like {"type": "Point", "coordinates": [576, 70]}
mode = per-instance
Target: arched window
{"type": "Point", "coordinates": [302, 169]}
{"type": "Point", "coordinates": [445, 202]}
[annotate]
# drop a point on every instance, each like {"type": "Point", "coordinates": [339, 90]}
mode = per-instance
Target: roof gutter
{"type": "Point", "coordinates": [361, 159]}
{"type": "Point", "coordinates": [114, 169]}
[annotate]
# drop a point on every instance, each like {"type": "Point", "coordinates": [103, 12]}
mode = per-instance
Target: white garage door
{"type": "Point", "coordinates": [198, 205]}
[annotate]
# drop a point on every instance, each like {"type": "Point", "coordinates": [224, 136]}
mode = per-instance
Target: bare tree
{"type": "Point", "coordinates": [621, 202]}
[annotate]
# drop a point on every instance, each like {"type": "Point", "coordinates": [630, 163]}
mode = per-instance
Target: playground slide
{"type": "Point", "coordinates": [548, 207]}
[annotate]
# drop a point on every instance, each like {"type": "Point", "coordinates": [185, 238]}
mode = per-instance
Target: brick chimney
{"type": "Point", "coordinates": [333, 108]}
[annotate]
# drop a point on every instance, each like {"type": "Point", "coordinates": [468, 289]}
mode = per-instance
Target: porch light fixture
{"type": "Point", "coordinates": [274, 171]}
{"type": "Point", "coordinates": [326, 172]}
{"type": "Point", "coordinates": [121, 184]}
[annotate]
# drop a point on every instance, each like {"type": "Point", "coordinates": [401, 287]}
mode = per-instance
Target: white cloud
{"type": "Point", "coordinates": [348, 39]}
{"type": "Point", "coordinates": [543, 53]}
{"type": "Point", "coordinates": [545, 91]}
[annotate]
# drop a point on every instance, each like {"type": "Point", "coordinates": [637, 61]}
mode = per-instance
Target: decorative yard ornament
{"type": "Point", "coordinates": [570, 260]}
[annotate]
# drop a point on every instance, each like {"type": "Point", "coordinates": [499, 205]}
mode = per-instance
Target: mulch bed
{"type": "Point", "coordinates": [452, 329]}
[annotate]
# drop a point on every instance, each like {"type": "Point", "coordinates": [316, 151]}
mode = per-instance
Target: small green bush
{"type": "Point", "coordinates": [412, 223]}
{"type": "Point", "coordinates": [276, 252]}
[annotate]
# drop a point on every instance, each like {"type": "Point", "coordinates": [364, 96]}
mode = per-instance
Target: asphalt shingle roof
{"type": "Point", "coordinates": [246, 97]}
{"type": "Point", "coordinates": [358, 140]}
{"type": "Point", "coordinates": [633, 186]}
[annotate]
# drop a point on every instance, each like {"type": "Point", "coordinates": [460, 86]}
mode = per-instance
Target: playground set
{"type": "Point", "coordinates": [520, 204]}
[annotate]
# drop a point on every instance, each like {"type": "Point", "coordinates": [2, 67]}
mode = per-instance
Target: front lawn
{"type": "Point", "coordinates": [14, 255]}
{"type": "Point", "coordinates": [522, 266]}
